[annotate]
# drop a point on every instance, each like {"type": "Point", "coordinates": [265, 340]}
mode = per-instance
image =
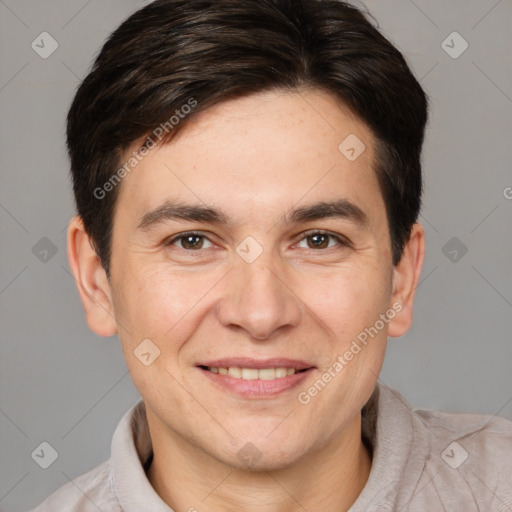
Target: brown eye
{"type": "Point", "coordinates": [188, 241]}
{"type": "Point", "coordinates": [191, 242]}
{"type": "Point", "coordinates": [318, 241]}
{"type": "Point", "coordinates": [321, 240]}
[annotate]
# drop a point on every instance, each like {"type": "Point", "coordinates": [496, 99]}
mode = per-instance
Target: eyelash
{"type": "Point", "coordinates": [340, 240]}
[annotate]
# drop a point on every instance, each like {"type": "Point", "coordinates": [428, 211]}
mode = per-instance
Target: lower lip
{"type": "Point", "coordinates": [257, 388]}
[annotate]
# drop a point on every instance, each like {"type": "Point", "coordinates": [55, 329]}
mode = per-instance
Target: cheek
{"type": "Point", "coordinates": [161, 304]}
{"type": "Point", "coordinates": [349, 299]}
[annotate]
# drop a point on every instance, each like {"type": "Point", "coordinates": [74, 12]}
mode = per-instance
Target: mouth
{"type": "Point", "coordinates": [250, 378]}
{"type": "Point", "coordinates": [253, 373]}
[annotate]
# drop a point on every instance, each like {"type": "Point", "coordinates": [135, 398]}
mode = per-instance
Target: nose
{"type": "Point", "coordinates": [258, 300]}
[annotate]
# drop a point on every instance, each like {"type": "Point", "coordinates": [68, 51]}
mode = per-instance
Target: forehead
{"type": "Point", "coordinates": [260, 154]}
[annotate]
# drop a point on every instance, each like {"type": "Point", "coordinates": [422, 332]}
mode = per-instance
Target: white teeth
{"type": "Point", "coordinates": [254, 373]}
{"type": "Point", "coordinates": [280, 372]}
{"type": "Point", "coordinates": [235, 372]}
{"type": "Point", "coordinates": [267, 373]}
{"type": "Point", "coordinates": [249, 373]}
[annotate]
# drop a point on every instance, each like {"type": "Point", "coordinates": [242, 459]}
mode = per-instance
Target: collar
{"type": "Point", "coordinates": [400, 445]}
{"type": "Point", "coordinates": [131, 449]}
{"type": "Point", "coordinates": [391, 430]}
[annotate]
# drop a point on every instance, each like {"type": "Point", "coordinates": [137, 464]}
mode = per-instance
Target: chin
{"type": "Point", "coordinates": [261, 454]}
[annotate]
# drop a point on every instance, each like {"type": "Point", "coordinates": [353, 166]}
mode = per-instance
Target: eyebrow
{"type": "Point", "coordinates": [341, 208]}
{"type": "Point", "coordinates": [172, 210]}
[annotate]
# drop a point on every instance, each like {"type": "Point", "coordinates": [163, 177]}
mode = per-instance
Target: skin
{"type": "Point", "coordinates": [254, 158]}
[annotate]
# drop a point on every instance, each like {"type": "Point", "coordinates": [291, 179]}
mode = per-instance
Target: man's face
{"type": "Point", "coordinates": [265, 286]}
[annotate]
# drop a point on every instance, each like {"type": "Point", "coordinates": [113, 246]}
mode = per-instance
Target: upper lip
{"type": "Point", "coordinates": [247, 362]}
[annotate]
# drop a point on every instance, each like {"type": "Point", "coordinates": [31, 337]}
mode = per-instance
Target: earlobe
{"type": "Point", "coordinates": [406, 277]}
{"type": "Point", "coordinates": [91, 280]}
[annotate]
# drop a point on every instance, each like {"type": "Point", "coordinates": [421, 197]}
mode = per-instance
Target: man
{"type": "Point", "coordinates": [247, 178]}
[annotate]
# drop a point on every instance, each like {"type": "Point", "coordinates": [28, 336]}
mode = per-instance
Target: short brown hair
{"type": "Point", "coordinates": [172, 51]}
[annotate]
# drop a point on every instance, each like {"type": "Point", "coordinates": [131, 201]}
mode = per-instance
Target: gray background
{"type": "Point", "coordinates": [62, 384]}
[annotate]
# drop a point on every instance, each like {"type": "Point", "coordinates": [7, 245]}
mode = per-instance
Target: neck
{"type": "Point", "coordinates": [329, 479]}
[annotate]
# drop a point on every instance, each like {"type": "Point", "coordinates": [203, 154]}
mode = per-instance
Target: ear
{"type": "Point", "coordinates": [406, 277]}
{"type": "Point", "coordinates": [91, 280]}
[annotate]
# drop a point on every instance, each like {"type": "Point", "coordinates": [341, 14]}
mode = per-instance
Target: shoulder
{"type": "Point", "coordinates": [470, 457]}
{"type": "Point", "coordinates": [88, 492]}
{"type": "Point", "coordinates": [484, 434]}
{"type": "Point", "coordinates": [449, 461]}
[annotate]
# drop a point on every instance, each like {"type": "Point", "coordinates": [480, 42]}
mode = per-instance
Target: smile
{"type": "Point", "coordinates": [252, 373]}
{"type": "Point", "coordinates": [251, 378]}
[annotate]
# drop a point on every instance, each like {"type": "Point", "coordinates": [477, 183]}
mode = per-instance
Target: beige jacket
{"type": "Point", "coordinates": [423, 461]}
